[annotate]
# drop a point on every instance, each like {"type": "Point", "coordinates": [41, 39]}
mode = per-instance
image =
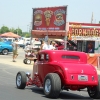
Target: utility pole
{"type": "Point", "coordinates": [66, 30]}
{"type": "Point", "coordinates": [28, 27]}
{"type": "Point", "coordinates": [92, 18]}
{"type": "Point", "coordinates": [17, 30]}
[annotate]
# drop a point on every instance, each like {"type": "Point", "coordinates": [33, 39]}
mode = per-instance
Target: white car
{"type": "Point", "coordinates": [36, 44]}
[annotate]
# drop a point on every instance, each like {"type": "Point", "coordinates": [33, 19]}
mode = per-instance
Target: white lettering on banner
{"type": "Point", "coordinates": [57, 28]}
{"type": "Point", "coordinates": [76, 26]}
{"type": "Point", "coordinates": [51, 28]}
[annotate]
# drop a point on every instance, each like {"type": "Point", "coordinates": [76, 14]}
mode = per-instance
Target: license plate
{"type": "Point", "coordinates": [82, 77]}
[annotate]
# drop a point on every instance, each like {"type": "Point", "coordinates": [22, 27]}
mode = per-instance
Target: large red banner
{"type": "Point", "coordinates": [51, 18]}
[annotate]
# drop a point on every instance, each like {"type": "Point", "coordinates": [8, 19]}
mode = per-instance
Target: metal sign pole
{"type": "Point", "coordinates": [32, 25]}
{"type": "Point", "coordinates": [66, 30]}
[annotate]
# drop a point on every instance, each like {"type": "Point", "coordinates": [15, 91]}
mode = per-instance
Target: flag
{"type": "Point", "coordinates": [92, 18]}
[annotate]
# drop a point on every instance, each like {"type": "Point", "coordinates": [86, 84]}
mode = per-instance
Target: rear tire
{"type": "Point", "coordinates": [95, 92]}
{"type": "Point", "coordinates": [52, 85]}
{"type": "Point", "coordinates": [21, 80]}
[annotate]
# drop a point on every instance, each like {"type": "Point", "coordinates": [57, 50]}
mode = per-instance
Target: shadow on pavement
{"type": "Point", "coordinates": [63, 95]}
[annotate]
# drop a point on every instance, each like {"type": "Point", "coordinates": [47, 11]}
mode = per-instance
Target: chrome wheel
{"type": "Point", "coordinates": [19, 80]}
{"type": "Point", "coordinates": [28, 61]}
{"type": "Point", "coordinates": [5, 52]}
{"type": "Point", "coordinates": [47, 85]}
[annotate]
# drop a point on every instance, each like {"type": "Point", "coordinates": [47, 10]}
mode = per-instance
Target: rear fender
{"type": "Point", "coordinates": [61, 77]}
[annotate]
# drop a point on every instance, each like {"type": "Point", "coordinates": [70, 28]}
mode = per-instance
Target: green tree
{"type": "Point", "coordinates": [12, 30]}
{"type": "Point", "coordinates": [18, 31]}
{"type": "Point", "coordinates": [27, 35]}
{"type": "Point", "coordinates": [99, 22]}
{"type": "Point", "coordinates": [24, 34]}
{"type": "Point", "coordinates": [4, 29]}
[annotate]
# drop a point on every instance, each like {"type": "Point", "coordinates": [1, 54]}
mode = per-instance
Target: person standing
{"type": "Point", "coordinates": [15, 50]}
{"type": "Point", "coordinates": [42, 44]}
{"type": "Point", "coordinates": [47, 46]}
{"type": "Point", "coordinates": [24, 44]}
{"type": "Point", "coordinates": [54, 45]}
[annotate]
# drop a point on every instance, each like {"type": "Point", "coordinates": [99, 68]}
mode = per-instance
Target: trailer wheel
{"type": "Point", "coordinates": [28, 61]}
{"type": "Point", "coordinates": [21, 80]}
{"type": "Point", "coordinates": [24, 61]}
{"type": "Point", "coordinates": [95, 91]}
{"type": "Point", "coordinates": [52, 85]}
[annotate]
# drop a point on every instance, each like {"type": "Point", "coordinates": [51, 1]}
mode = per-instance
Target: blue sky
{"type": "Point", "coordinates": [14, 13]}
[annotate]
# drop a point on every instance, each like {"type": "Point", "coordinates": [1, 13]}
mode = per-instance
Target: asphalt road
{"type": "Point", "coordinates": [8, 90]}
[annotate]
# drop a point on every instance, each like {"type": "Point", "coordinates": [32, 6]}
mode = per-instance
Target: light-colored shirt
{"type": "Point", "coordinates": [47, 47]}
{"type": "Point", "coordinates": [14, 46]}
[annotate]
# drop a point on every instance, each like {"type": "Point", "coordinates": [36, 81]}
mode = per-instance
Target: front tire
{"type": "Point", "coordinates": [95, 92]}
{"type": "Point", "coordinates": [21, 80]}
{"type": "Point", "coordinates": [5, 52]}
{"type": "Point", "coordinates": [52, 85]}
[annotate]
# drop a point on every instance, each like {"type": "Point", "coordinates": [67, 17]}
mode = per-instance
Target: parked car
{"type": "Point", "coordinates": [57, 70]}
{"type": "Point", "coordinates": [9, 39]}
{"type": "Point", "coordinates": [21, 44]}
{"type": "Point", "coordinates": [36, 44]}
{"type": "Point", "coordinates": [5, 48]}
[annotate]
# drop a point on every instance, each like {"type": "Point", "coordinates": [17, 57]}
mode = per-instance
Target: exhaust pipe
{"type": "Point", "coordinates": [28, 74]}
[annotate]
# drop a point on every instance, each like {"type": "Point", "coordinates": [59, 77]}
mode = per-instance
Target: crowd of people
{"type": "Point", "coordinates": [49, 45]}
{"type": "Point", "coordinates": [30, 51]}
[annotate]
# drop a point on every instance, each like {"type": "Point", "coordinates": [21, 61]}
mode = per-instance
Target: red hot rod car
{"type": "Point", "coordinates": [57, 70]}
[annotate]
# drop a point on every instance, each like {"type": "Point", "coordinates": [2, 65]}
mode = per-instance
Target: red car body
{"type": "Point", "coordinates": [57, 70]}
{"type": "Point", "coordinates": [67, 64]}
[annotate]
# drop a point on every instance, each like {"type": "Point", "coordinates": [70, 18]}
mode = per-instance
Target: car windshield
{"type": "Point", "coordinates": [9, 39]}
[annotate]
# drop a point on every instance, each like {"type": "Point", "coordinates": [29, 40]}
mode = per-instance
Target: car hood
{"type": "Point", "coordinates": [3, 43]}
{"type": "Point", "coordinates": [78, 68]}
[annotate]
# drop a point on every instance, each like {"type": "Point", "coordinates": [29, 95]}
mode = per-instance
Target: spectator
{"type": "Point", "coordinates": [24, 43]}
{"type": "Point", "coordinates": [47, 46]}
{"type": "Point", "coordinates": [42, 44]}
{"type": "Point", "coordinates": [71, 47]}
{"type": "Point", "coordinates": [15, 50]}
{"type": "Point", "coordinates": [54, 45]}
